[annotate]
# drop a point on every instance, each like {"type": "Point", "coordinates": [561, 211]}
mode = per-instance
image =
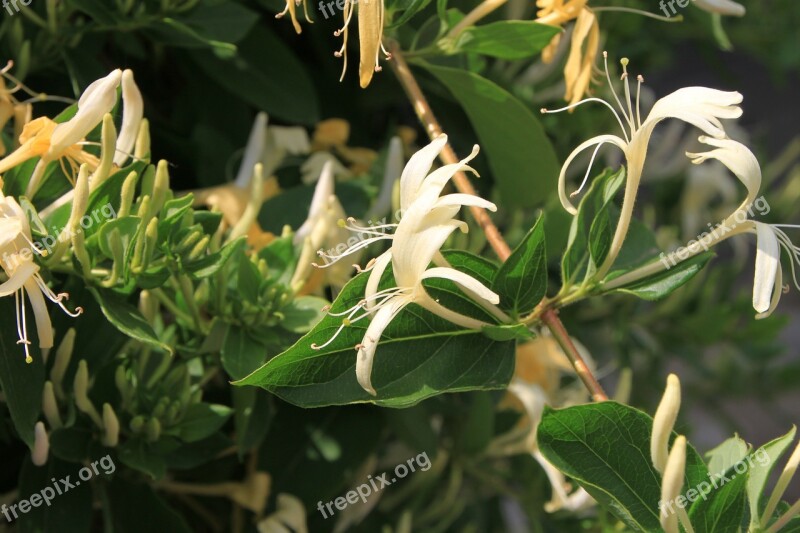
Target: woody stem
{"type": "Point", "coordinates": [493, 235]}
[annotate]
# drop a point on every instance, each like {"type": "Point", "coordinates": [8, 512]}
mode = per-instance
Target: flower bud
{"type": "Point", "coordinates": [127, 194]}
{"type": "Point", "coordinates": [672, 483]}
{"type": "Point", "coordinates": [50, 406]}
{"type": "Point", "coordinates": [664, 422]}
{"type": "Point", "coordinates": [142, 148]}
{"type": "Point", "coordinates": [110, 426]}
{"type": "Point", "coordinates": [152, 429]}
{"type": "Point", "coordinates": [63, 356]}
{"type": "Point", "coordinates": [81, 391]}
{"type": "Point", "coordinates": [108, 143]}
{"type": "Point", "coordinates": [41, 445]}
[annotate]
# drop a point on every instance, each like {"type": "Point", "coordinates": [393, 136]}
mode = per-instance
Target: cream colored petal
{"type": "Point", "coordinates": [15, 282]}
{"type": "Point", "coordinates": [132, 114]}
{"type": "Point", "coordinates": [375, 276]}
{"type": "Point", "coordinates": [699, 106]}
{"type": "Point", "coordinates": [256, 144]}
{"type": "Point", "coordinates": [464, 280]}
{"type": "Point", "coordinates": [664, 422]}
{"type": "Point", "coordinates": [777, 290]}
{"type": "Point", "coordinates": [438, 179]}
{"type": "Point", "coordinates": [723, 7]}
{"type": "Point", "coordinates": [41, 445]}
{"type": "Point", "coordinates": [366, 350]}
{"type": "Point", "coordinates": [322, 193]}
{"type": "Point", "coordinates": [459, 199]}
{"type": "Point", "coordinates": [97, 100]}
{"type": "Point", "coordinates": [417, 169]}
{"type": "Point", "coordinates": [44, 327]}
{"type": "Point", "coordinates": [10, 229]}
{"type": "Point", "coordinates": [768, 263]}
{"type": "Point", "coordinates": [562, 177]}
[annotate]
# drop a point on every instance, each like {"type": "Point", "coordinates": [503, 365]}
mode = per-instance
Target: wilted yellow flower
{"type": "Point", "coordinates": [291, 8]}
{"type": "Point", "coordinates": [370, 35]}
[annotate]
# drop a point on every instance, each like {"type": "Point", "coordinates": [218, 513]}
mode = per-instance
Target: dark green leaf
{"type": "Point", "coordinates": [766, 458]}
{"type": "Point", "coordinates": [508, 39]}
{"type": "Point", "coordinates": [666, 282]}
{"type": "Point", "coordinates": [70, 511]}
{"type": "Point", "coordinates": [127, 319]}
{"type": "Point", "coordinates": [510, 134]}
{"type": "Point", "coordinates": [722, 510]}
{"type": "Point", "coordinates": [521, 281]}
{"type": "Point", "coordinates": [201, 420]}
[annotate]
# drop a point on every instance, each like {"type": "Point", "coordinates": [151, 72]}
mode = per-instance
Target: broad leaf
{"type": "Point", "coordinates": [127, 319]}
{"type": "Point", "coordinates": [766, 458]}
{"type": "Point", "coordinates": [521, 281]}
{"type": "Point", "coordinates": [605, 447]}
{"type": "Point", "coordinates": [722, 508]}
{"type": "Point", "coordinates": [508, 39]}
{"type": "Point", "coordinates": [666, 282]}
{"type": "Point", "coordinates": [522, 160]}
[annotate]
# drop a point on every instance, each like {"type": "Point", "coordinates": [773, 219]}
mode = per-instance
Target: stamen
{"type": "Point", "coordinates": [586, 100]}
{"type": "Point", "coordinates": [613, 90]}
{"type": "Point", "coordinates": [640, 81]}
{"type": "Point", "coordinates": [624, 62]}
{"type": "Point", "coordinates": [588, 170]}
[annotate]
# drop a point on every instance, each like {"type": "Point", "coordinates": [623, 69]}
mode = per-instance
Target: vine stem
{"type": "Point", "coordinates": [425, 115]}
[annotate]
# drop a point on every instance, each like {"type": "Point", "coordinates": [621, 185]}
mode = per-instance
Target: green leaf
{"type": "Point", "coordinates": [605, 447]}
{"type": "Point", "coordinates": [726, 455]}
{"type": "Point", "coordinates": [508, 332]}
{"type": "Point", "coordinates": [127, 319]}
{"type": "Point", "coordinates": [587, 236]}
{"type": "Point", "coordinates": [510, 134]}
{"type": "Point", "coordinates": [136, 454]}
{"type": "Point", "coordinates": [241, 353]}
{"type": "Point", "coordinates": [252, 417]}
{"type": "Point", "coordinates": [303, 313]}
{"type": "Point", "coordinates": [211, 264]}
{"type": "Point", "coordinates": [521, 281]}
{"type": "Point", "coordinates": [508, 39]}
{"type": "Point", "coordinates": [21, 383]}
{"type": "Point", "coordinates": [414, 7]}
{"type": "Point", "coordinates": [201, 420]}
{"type": "Point", "coordinates": [276, 82]}
{"type": "Point", "coordinates": [127, 503]}
{"type": "Point", "coordinates": [421, 355]}
{"type": "Point", "coordinates": [68, 512]}
{"type": "Point", "coordinates": [666, 282]}
{"type": "Point", "coordinates": [766, 457]}
{"type": "Point", "coordinates": [723, 509]}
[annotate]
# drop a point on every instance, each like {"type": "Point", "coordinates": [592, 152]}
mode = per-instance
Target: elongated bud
{"type": "Point", "coordinates": [127, 194]}
{"type": "Point", "coordinates": [672, 483]}
{"type": "Point", "coordinates": [159, 372]}
{"type": "Point", "coordinates": [63, 356]}
{"type": "Point", "coordinates": [110, 426]}
{"type": "Point", "coordinates": [41, 445]}
{"type": "Point", "coordinates": [188, 241]}
{"type": "Point", "coordinates": [81, 391]}
{"type": "Point", "coordinates": [152, 429]}
{"type": "Point", "coordinates": [250, 214]}
{"type": "Point", "coordinates": [137, 423]}
{"type": "Point", "coordinates": [150, 242]}
{"type": "Point", "coordinates": [199, 249]}
{"type": "Point", "coordinates": [50, 406]}
{"type": "Point", "coordinates": [142, 147]}
{"type": "Point", "coordinates": [664, 422]}
{"type": "Point", "coordinates": [160, 186]}
{"type": "Point", "coordinates": [148, 306]}
{"type": "Point", "coordinates": [780, 487]}
{"type": "Point", "coordinates": [124, 386]}
{"type": "Point", "coordinates": [108, 142]}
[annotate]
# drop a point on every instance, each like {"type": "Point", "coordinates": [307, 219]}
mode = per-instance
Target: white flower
{"type": "Point", "coordinates": [50, 141]}
{"type": "Point", "coordinates": [16, 259]}
{"type": "Point", "coordinates": [428, 220]}
{"type": "Point", "coordinates": [722, 7]}
{"type": "Point", "coordinates": [699, 106]}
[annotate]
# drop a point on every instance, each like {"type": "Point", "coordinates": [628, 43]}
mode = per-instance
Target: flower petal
{"type": "Point", "coordinates": [97, 100]}
{"type": "Point", "coordinates": [768, 263]}
{"type": "Point", "coordinates": [132, 114]}
{"type": "Point", "coordinates": [44, 327]}
{"type": "Point", "coordinates": [417, 168]}
{"type": "Point", "coordinates": [562, 177]}
{"type": "Point", "coordinates": [366, 351]}
{"type": "Point", "coordinates": [464, 280]}
{"type": "Point", "coordinates": [375, 276]}
{"type": "Point", "coordinates": [459, 199]}
{"type": "Point", "coordinates": [723, 7]}
{"type": "Point", "coordinates": [700, 106]}
{"type": "Point", "coordinates": [16, 281]}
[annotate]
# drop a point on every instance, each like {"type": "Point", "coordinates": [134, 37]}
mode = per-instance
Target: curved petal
{"type": "Point", "coordinates": [322, 193]}
{"type": "Point", "coordinates": [16, 281]}
{"type": "Point", "coordinates": [97, 100]}
{"type": "Point", "coordinates": [768, 263]}
{"type": "Point", "coordinates": [423, 299]}
{"type": "Point", "coordinates": [417, 168]}
{"type": "Point", "coordinates": [723, 7]}
{"type": "Point", "coordinates": [464, 280]}
{"type": "Point", "coordinates": [413, 251]}
{"type": "Point", "coordinates": [562, 177]}
{"type": "Point", "coordinates": [10, 229]}
{"type": "Point", "coordinates": [739, 160]}
{"type": "Point", "coordinates": [366, 350]}
{"type": "Point", "coordinates": [436, 180]}
{"type": "Point", "coordinates": [700, 106]}
{"type": "Point", "coordinates": [460, 199]}
{"type": "Point", "coordinates": [375, 276]}
{"type": "Point", "coordinates": [256, 144]}
{"type": "Point", "coordinates": [44, 327]}
{"type": "Point", "coordinates": [132, 114]}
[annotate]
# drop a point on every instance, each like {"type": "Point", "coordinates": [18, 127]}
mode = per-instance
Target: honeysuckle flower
{"type": "Point", "coordinates": [370, 38]}
{"type": "Point", "coordinates": [722, 7]}
{"type": "Point", "coordinates": [16, 259]}
{"type": "Point", "coordinates": [291, 513]}
{"type": "Point", "coordinates": [63, 142]}
{"type": "Point", "coordinates": [324, 228]}
{"type": "Point", "coordinates": [10, 107]}
{"type": "Point", "coordinates": [291, 8]}
{"type": "Point", "coordinates": [582, 53]}
{"type": "Point", "coordinates": [700, 106]}
{"type": "Point", "coordinates": [428, 220]}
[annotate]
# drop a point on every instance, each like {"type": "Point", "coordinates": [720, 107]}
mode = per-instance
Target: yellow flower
{"type": "Point", "coordinates": [370, 34]}
{"type": "Point", "coordinates": [291, 8]}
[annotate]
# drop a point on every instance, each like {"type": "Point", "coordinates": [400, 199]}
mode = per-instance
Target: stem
{"type": "Point", "coordinates": [448, 156]}
{"type": "Point", "coordinates": [493, 236]}
{"type": "Point", "coordinates": [550, 318]}
{"type": "Point", "coordinates": [480, 11]}
{"type": "Point", "coordinates": [787, 516]}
